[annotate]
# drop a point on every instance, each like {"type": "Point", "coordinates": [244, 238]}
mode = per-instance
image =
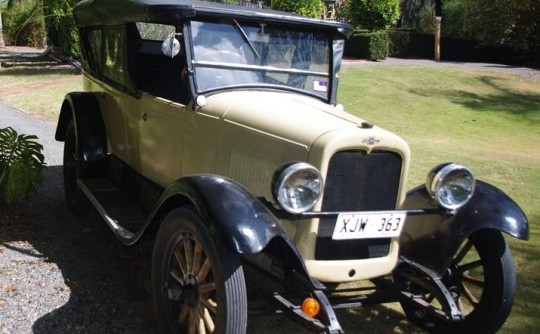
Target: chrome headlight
{"type": "Point", "coordinates": [451, 185]}
{"type": "Point", "coordinates": [297, 187]}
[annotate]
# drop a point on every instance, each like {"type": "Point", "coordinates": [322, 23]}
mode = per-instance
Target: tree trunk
{"type": "Point", "coordinates": [2, 44]}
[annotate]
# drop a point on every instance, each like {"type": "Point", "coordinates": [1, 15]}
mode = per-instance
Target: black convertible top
{"type": "Point", "coordinates": [107, 12]}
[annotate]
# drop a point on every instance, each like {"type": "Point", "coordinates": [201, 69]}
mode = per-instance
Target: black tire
{"type": "Point", "coordinates": [482, 280]}
{"type": "Point", "coordinates": [209, 281]}
{"type": "Point", "coordinates": [76, 201]}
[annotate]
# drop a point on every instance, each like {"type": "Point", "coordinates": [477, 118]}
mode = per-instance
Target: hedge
{"type": "Point", "coordinates": [367, 45]}
{"type": "Point", "coordinates": [412, 44]}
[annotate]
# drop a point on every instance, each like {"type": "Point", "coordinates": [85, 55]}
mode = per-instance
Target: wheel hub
{"type": "Point", "coordinates": [189, 292]}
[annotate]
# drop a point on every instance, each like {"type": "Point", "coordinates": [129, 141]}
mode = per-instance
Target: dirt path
{"type": "Point", "coordinates": [21, 89]}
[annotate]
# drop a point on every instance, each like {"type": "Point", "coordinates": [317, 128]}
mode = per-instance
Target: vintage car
{"type": "Point", "coordinates": [214, 130]}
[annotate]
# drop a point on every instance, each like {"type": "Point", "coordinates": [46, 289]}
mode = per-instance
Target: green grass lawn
{"type": "Point", "coordinates": [486, 120]}
{"type": "Point", "coordinates": [38, 89]}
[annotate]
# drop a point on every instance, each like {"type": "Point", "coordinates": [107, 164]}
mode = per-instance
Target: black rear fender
{"type": "Point", "coordinates": [83, 109]}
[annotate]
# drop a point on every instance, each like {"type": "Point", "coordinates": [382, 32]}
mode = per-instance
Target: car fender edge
{"type": "Point", "coordinates": [84, 109]}
{"type": "Point", "coordinates": [432, 239]}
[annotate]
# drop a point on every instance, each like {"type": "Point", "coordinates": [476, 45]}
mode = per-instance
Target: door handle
{"type": "Point", "coordinates": [144, 117]}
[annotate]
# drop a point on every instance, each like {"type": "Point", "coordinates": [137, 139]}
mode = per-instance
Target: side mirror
{"type": "Point", "coordinates": [170, 46]}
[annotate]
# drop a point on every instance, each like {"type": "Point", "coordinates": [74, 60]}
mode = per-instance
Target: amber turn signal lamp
{"type": "Point", "coordinates": [311, 307]}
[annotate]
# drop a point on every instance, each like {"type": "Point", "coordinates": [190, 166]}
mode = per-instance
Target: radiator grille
{"type": "Point", "coordinates": [357, 181]}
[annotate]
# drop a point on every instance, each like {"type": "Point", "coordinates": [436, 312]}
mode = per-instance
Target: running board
{"type": "Point", "coordinates": [122, 215]}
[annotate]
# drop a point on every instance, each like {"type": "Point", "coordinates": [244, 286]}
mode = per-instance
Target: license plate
{"type": "Point", "coordinates": [354, 225]}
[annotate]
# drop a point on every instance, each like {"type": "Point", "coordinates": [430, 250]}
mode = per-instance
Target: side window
{"type": "Point", "coordinates": [91, 50]}
{"type": "Point", "coordinates": [154, 31]}
{"type": "Point", "coordinates": [94, 52]}
{"type": "Point", "coordinates": [156, 73]}
{"type": "Point", "coordinates": [114, 60]}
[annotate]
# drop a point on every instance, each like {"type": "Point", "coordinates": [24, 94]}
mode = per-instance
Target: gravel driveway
{"type": "Point", "coordinates": [60, 273]}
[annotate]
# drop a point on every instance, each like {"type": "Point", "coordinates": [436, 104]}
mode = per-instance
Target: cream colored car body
{"type": "Point", "coordinates": [245, 135]}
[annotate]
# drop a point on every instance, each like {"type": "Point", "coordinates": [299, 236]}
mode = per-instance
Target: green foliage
{"type": "Point", "coordinates": [372, 14]}
{"type": "Point", "coordinates": [21, 165]}
{"type": "Point", "coordinates": [426, 20]}
{"type": "Point", "coordinates": [410, 44]}
{"type": "Point", "coordinates": [453, 21]}
{"type": "Point", "coordinates": [511, 23]}
{"type": "Point", "coordinates": [368, 45]}
{"type": "Point", "coordinates": [487, 20]}
{"type": "Point", "coordinates": [23, 24]}
{"type": "Point", "coordinates": [311, 8]}
{"type": "Point", "coordinates": [61, 28]}
{"type": "Point", "coordinates": [525, 35]}
{"type": "Point", "coordinates": [412, 12]}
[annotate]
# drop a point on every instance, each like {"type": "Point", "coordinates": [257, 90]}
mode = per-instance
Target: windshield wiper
{"type": "Point", "coordinates": [243, 33]}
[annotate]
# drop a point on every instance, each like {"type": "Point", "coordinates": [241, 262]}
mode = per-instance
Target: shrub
{"type": "Point", "coordinates": [311, 8]}
{"type": "Point", "coordinates": [21, 165]}
{"type": "Point", "coordinates": [372, 14]}
{"type": "Point", "coordinates": [368, 45]}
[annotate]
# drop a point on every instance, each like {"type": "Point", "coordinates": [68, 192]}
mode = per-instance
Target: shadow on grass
{"type": "Point", "coordinates": [501, 98]}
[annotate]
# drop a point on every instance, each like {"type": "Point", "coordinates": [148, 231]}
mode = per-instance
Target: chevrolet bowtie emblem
{"type": "Point", "coordinates": [371, 141]}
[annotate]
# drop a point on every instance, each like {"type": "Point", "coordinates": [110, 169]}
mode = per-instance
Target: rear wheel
{"type": "Point", "coordinates": [76, 201]}
{"type": "Point", "coordinates": [482, 281]}
{"type": "Point", "coordinates": [198, 283]}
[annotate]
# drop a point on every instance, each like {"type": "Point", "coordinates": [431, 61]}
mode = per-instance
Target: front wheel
{"type": "Point", "coordinates": [197, 283]}
{"type": "Point", "coordinates": [481, 280]}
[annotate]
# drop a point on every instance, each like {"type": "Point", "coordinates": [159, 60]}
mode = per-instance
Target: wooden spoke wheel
{"type": "Point", "coordinates": [481, 280]}
{"type": "Point", "coordinates": [198, 284]}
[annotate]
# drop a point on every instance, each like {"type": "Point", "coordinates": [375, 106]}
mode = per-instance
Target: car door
{"type": "Point", "coordinates": [161, 125]}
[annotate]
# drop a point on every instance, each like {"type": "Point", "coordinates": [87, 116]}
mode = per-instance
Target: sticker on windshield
{"type": "Point", "coordinates": [320, 86]}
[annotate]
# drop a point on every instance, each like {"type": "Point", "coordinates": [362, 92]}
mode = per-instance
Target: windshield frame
{"type": "Point", "coordinates": [334, 45]}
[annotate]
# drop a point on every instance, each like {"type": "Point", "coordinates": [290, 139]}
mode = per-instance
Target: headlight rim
{"type": "Point", "coordinates": [435, 181]}
{"type": "Point", "coordinates": [284, 173]}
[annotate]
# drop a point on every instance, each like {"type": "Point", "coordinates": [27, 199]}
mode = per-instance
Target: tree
{"type": "Point", "coordinates": [61, 27]}
{"type": "Point", "coordinates": [311, 8]}
{"type": "Point", "coordinates": [372, 14]}
{"type": "Point", "coordinates": [513, 23]}
{"type": "Point", "coordinates": [525, 35]}
{"type": "Point", "coordinates": [2, 44]}
{"type": "Point", "coordinates": [23, 23]}
{"type": "Point", "coordinates": [412, 12]}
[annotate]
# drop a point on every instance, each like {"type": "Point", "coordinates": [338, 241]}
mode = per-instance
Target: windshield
{"type": "Point", "coordinates": [236, 54]}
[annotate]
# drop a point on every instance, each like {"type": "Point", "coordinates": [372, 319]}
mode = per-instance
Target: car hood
{"type": "Point", "coordinates": [288, 116]}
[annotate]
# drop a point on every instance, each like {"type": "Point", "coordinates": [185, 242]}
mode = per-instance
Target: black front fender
{"type": "Point", "coordinates": [231, 211]}
{"type": "Point", "coordinates": [233, 215]}
{"type": "Point", "coordinates": [432, 239]}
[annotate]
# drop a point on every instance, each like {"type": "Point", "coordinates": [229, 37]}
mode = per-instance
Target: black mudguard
{"type": "Point", "coordinates": [84, 109]}
{"type": "Point", "coordinates": [233, 214]}
{"type": "Point", "coordinates": [432, 240]}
